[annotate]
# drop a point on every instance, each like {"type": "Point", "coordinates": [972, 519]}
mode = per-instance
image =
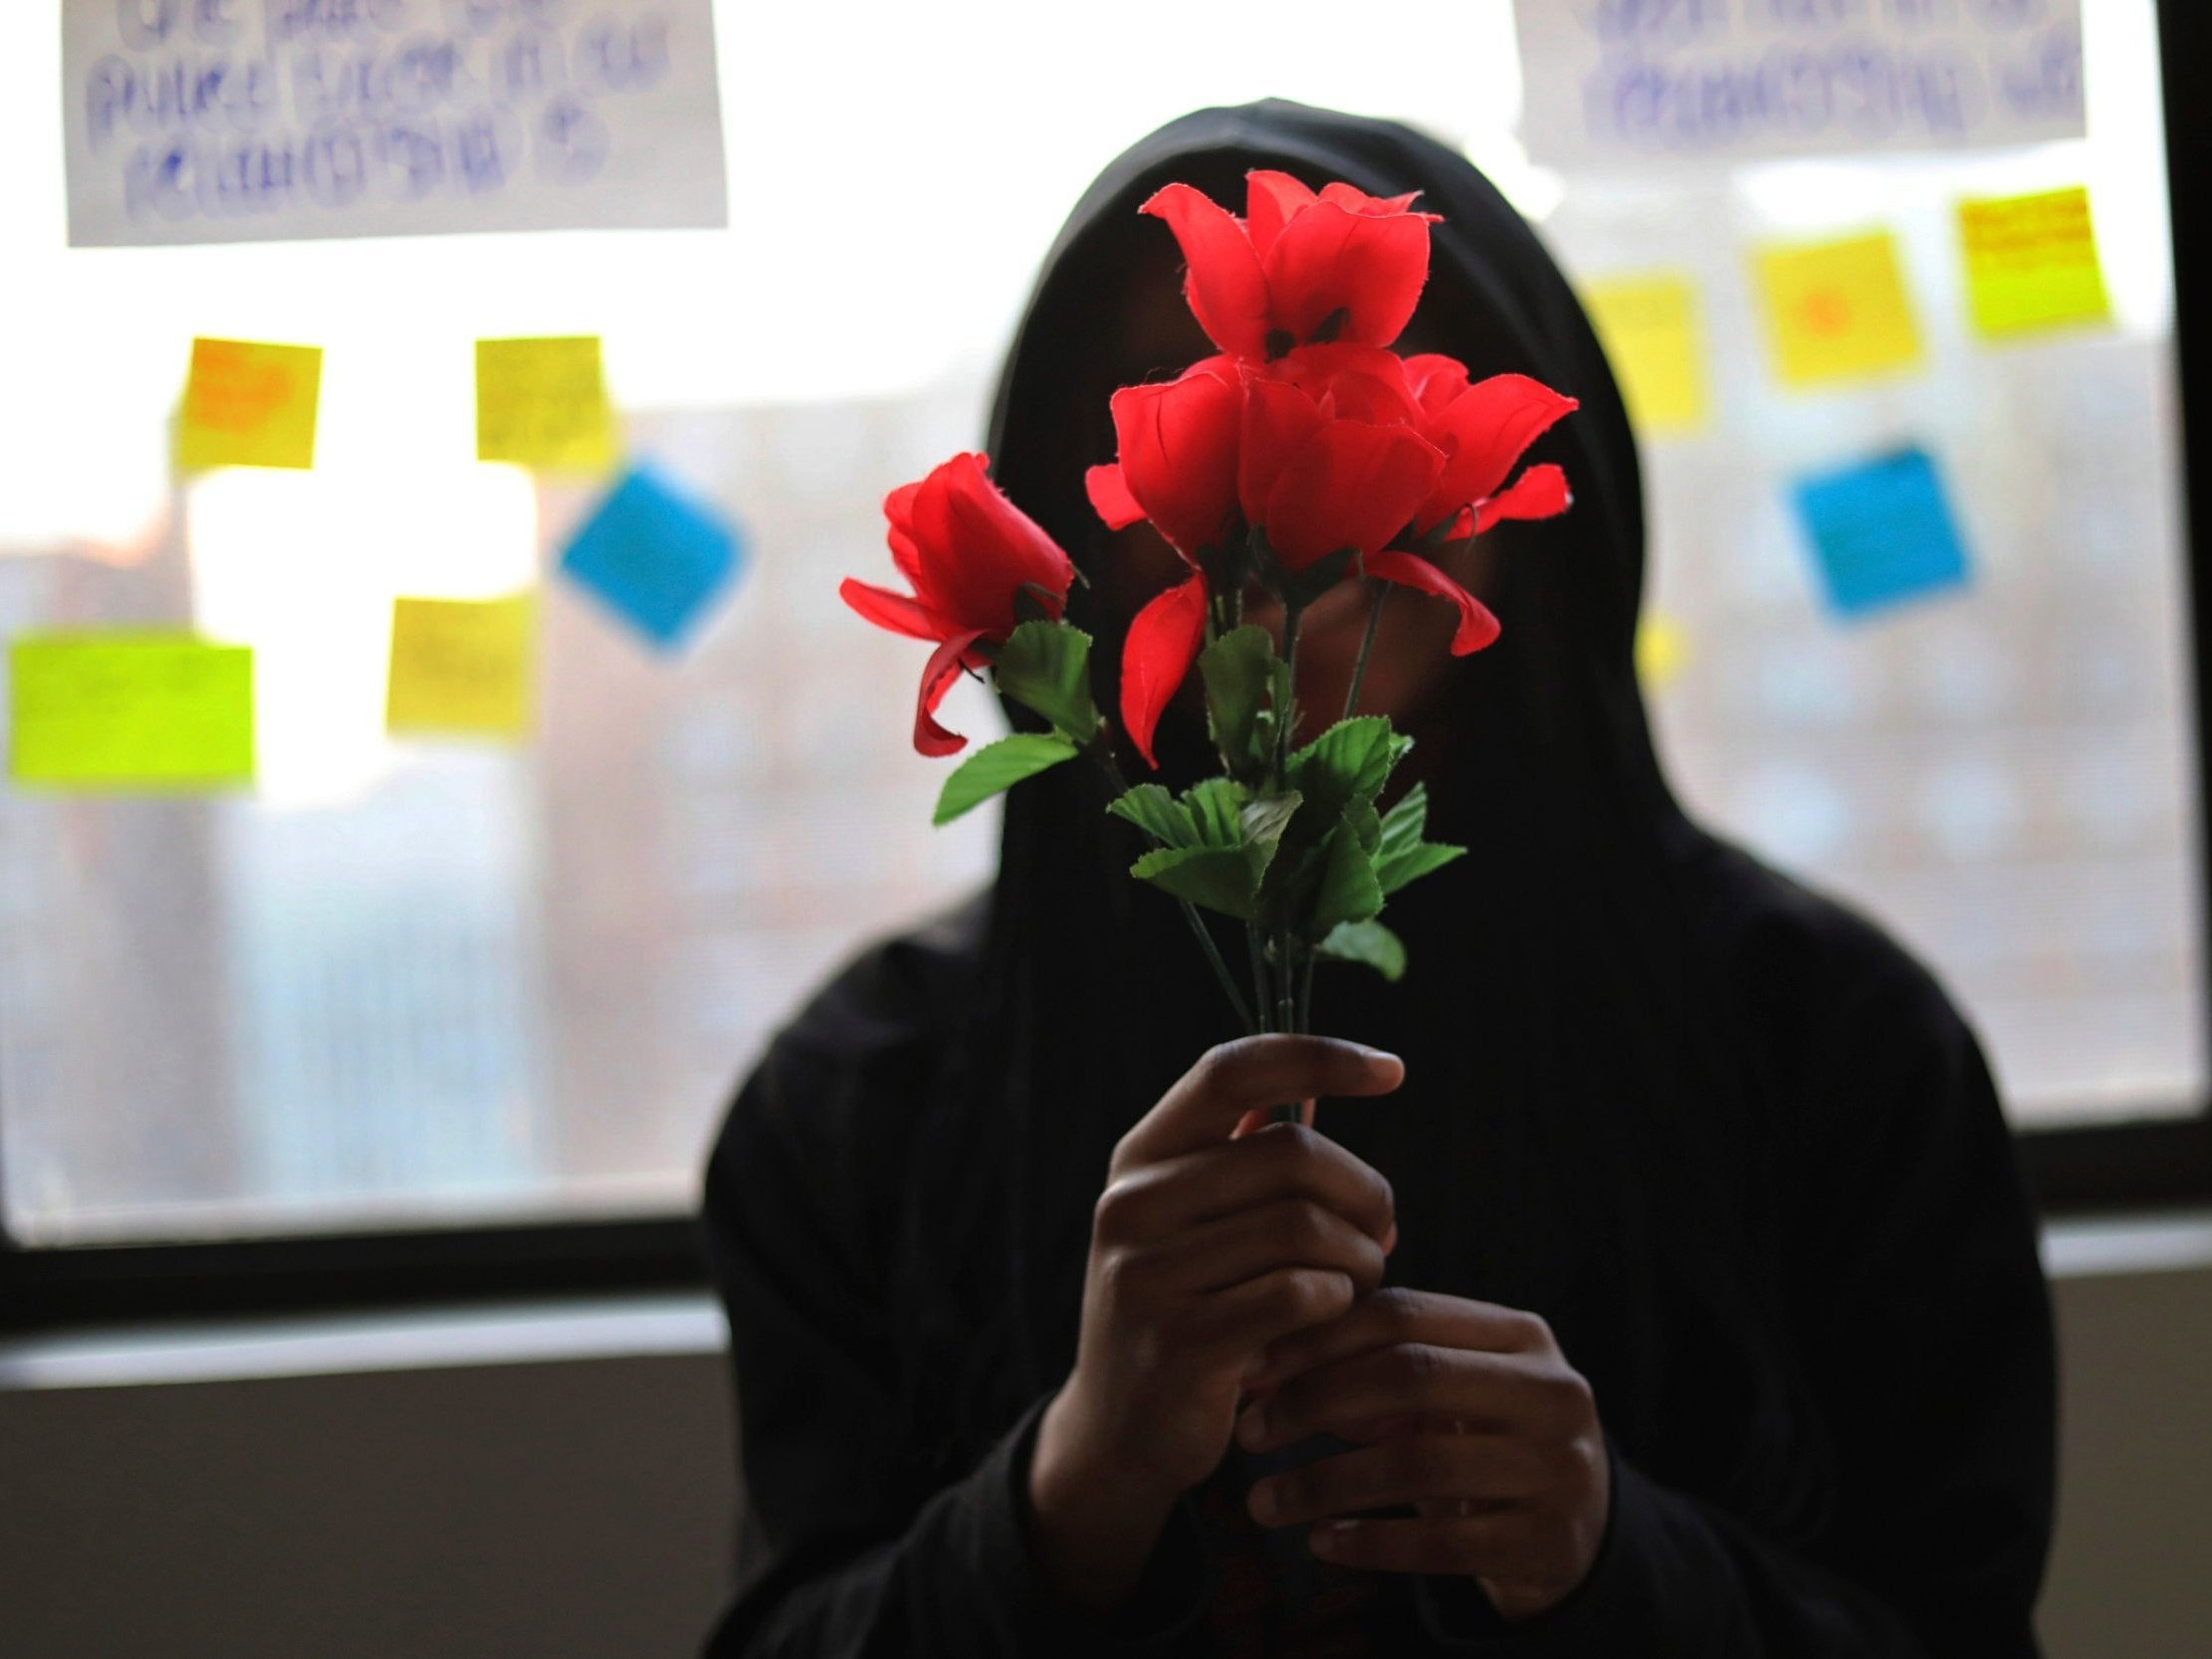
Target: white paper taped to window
{"type": "Point", "coordinates": [1629, 82]}
{"type": "Point", "coordinates": [244, 121]}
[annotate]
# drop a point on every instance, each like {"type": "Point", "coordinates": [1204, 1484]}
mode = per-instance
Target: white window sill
{"type": "Point", "coordinates": [603, 1327]}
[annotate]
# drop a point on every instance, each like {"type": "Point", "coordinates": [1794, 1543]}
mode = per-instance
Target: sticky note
{"type": "Point", "coordinates": [653, 557]}
{"type": "Point", "coordinates": [1881, 531]}
{"type": "Point", "coordinates": [1654, 336]}
{"type": "Point", "coordinates": [130, 712]}
{"type": "Point", "coordinates": [543, 403]}
{"type": "Point", "coordinates": [462, 666]}
{"type": "Point", "coordinates": [1659, 651]}
{"type": "Point", "coordinates": [1838, 310]}
{"type": "Point", "coordinates": [2030, 263]}
{"type": "Point", "coordinates": [248, 404]}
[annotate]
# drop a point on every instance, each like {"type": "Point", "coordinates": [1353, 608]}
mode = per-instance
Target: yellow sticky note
{"type": "Point", "coordinates": [130, 710]}
{"type": "Point", "coordinates": [248, 404]}
{"type": "Point", "coordinates": [2030, 263]}
{"type": "Point", "coordinates": [462, 666]}
{"type": "Point", "coordinates": [1659, 651]}
{"type": "Point", "coordinates": [1655, 337]}
{"type": "Point", "coordinates": [1838, 310]}
{"type": "Point", "coordinates": [543, 403]}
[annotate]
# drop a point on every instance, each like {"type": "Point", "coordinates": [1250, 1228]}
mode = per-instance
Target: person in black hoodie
{"type": "Point", "coordinates": [1682, 1198]}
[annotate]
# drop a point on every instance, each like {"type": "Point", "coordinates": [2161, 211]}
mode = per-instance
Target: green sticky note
{"type": "Point", "coordinates": [129, 712]}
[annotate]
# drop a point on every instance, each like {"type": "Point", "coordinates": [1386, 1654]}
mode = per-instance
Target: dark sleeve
{"type": "Point", "coordinates": [1931, 1353]}
{"type": "Point", "coordinates": [851, 1543]}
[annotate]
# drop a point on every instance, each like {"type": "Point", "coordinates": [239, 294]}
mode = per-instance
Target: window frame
{"type": "Point", "coordinates": [2128, 1167]}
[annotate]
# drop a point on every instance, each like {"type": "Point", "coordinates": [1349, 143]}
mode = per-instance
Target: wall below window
{"type": "Point", "coordinates": [573, 1509]}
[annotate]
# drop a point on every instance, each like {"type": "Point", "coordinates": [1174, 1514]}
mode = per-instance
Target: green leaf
{"type": "Point", "coordinates": [1158, 814]}
{"type": "Point", "coordinates": [1346, 889]}
{"type": "Point", "coordinates": [1266, 817]}
{"type": "Point", "coordinates": [997, 766]}
{"type": "Point", "coordinates": [1213, 806]}
{"type": "Point", "coordinates": [1352, 761]}
{"type": "Point", "coordinates": [1222, 878]}
{"type": "Point", "coordinates": [1046, 665]}
{"type": "Point", "coordinates": [1366, 827]}
{"type": "Point", "coordinates": [1239, 671]}
{"type": "Point", "coordinates": [1403, 823]}
{"type": "Point", "coordinates": [1366, 942]}
{"type": "Point", "coordinates": [1396, 872]}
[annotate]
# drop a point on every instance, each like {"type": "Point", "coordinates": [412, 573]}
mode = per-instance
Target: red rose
{"type": "Point", "coordinates": [966, 551]}
{"type": "Point", "coordinates": [1331, 455]}
{"type": "Point", "coordinates": [1178, 458]}
{"type": "Point", "coordinates": [1484, 429]}
{"type": "Point", "coordinates": [1299, 267]}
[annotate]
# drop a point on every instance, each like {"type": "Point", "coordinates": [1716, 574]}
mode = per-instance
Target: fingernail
{"type": "Point", "coordinates": [1375, 1056]}
{"type": "Point", "coordinates": [1324, 1540]}
{"type": "Point", "coordinates": [1262, 1503]}
{"type": "Point", "coordinates": [1390, 1239]}
{"type": "Point", "coordinates": [1251, 1428]}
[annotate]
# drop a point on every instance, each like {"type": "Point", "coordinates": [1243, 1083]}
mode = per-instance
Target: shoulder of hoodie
{"type": "Point", "coordinates": [1819, 981]}
{"type": "Point", "coordinates": [866, 1039]}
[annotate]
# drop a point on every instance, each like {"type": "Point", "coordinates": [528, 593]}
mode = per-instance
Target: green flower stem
{"type": "Point", "coordinates": [1290, 617]}
{"type": "Point", "coordinates": [1367, 644]}
{"type": "Point", "coordinates": [1305, 990]}
{"type": "Point", "coordinates": [1104, 755]}
{"type": "Point", "coordinates": [1286, 1015]}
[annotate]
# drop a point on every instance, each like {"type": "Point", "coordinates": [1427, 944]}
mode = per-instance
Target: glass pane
{"type": "Point", "coordinates": [405, 982]}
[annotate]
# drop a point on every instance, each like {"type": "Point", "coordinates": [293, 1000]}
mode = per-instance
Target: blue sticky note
{"type": "Point", "coordinates": [1881, 531]}
{"type": "Point", "coordinates": [653, 557]}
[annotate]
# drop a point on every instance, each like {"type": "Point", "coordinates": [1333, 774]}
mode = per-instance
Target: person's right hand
{"type": "Point", "coordinates": [1207, 1245]}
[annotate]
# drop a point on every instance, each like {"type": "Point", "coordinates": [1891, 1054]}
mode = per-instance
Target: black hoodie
{"type": "Point", "coordinates": [1729, 1138]}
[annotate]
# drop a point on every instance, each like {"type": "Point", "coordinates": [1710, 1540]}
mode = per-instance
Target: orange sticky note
{"type": "Point", "coordinates": [462, 666]}
{"type": "Point", "coordinates": [543, 403]}
{"type": "Point", "coordinates": [1654, 339]}
{"type": "Point", "coordinates": [1838, 310]}
{"type": "Point", "coordinates": [249, 404]}
{"type": "Point", "coordinates": [2030, 263]}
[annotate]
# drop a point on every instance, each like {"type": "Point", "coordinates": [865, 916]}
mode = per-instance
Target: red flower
{"type": "Point", "coordinates": [966, 551]}
{"type": "Point", "coordinates": [1331, 455]}
{"type": "Point", "coordinates": [1178, 457]}
{"type": "Point", "coordinates": [1163, 638]}
{"type": "Point", "coordinates": [1277, 277]}
{"type": "Point", "coordinates": [1483, 429]}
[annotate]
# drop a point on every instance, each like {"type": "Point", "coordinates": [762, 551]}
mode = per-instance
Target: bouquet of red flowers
{"type": "Point", "coordinates": [1305, 453]}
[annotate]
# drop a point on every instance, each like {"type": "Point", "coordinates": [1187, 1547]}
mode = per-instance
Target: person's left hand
{"type": "Point", "coordinates": [1464, 1410]}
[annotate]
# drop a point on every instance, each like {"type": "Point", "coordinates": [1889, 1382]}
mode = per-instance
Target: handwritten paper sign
{"type": "Point", "coordinates": [247, 404]}
{"type": "Point", "coordinates": [249, 120]}
{"type": "Point", "coordinates": [2030, 263]}
{"type": "Point", "coordinates": [1881, 533]}
{"type": "Point", "coordinates": [1660, 648]}
{"type": "Point", "coordinates": [1653, 338]}
{"type": "Point", "coordinates": [1633, 82]}
{"type": "Point", "coordinates": [1838, 310]}
{"type": "Point", "coordinates": [130, 712]}
{"type": "Point", "coordinates": [460, 666]}
{"type": "Point", "coordinates": [653, 558]}
{"type": "Point", "coordinates": [543, 403]}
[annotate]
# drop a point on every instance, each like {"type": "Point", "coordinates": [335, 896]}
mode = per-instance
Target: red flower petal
{"type": "Point", "coordinates": [1486, 430]}
{"type": "Point", "coordinates": [1478, 624]}
{"type": "Point", "coordinates": [1224, 284]}
{"type": "Point", "coordinates": [1349, 486]}
{"type": "Point", "coordinates": [897, 507]}
{"type": "Point", "coordinates": [1329, 257]}
{"type": "Point", "coordinates": [937, 674]}
{"type": "Point", "coordinates": [1539, 493]}
{"type": "Point", "coordinates": [977, 549]}
{"type": "Point", "coordinates": [1356, 382]}
{"type": "Point", "coordinates": [1110, 497]}
{"type": "Point", "coordinates": [1435, 380]}
{"type": "Point", "coordinates": [1179, 454]}
{"type": "Point", "coordinates": [894, 611]}
{"type": "Point", "coordinates": [1163, 638]}
{"type": "Point", "coordinates": [1271, 200]}
{"type": "Point", "coordinates": [1354, 200]}
{"type": "Point", "coordinates": [1279, 417]}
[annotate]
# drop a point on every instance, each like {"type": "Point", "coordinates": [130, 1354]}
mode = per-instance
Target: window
{"type": "Point", "coordinates": [448, 1003]}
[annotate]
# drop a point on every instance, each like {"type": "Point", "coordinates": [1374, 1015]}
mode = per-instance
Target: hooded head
{"type": "Point", "coordinates": [1549, 966]}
